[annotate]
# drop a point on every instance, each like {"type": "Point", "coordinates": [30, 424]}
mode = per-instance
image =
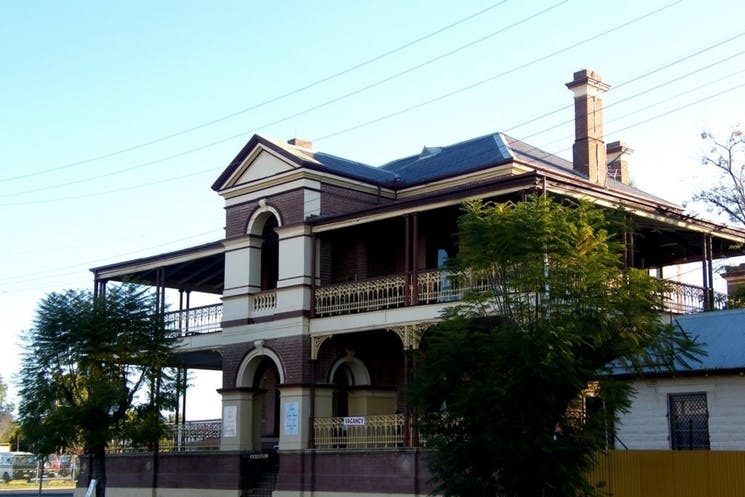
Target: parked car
{"type": "Point", "coordinates": [52, 465]}
{"type": "Point", "coordinates": [69, 464]}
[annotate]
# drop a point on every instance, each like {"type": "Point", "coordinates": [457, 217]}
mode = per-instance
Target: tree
{"type": "Point", "coordinates": [6, 413]}
{"type": "Point", "coordinates": [91, 365]}
{"type": "Point", "coordinates": [727, 196]}
{"type": "Point", "coordinates": [514, 387]}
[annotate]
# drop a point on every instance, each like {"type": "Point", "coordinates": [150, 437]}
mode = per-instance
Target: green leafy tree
{"type": "Point", "coordinates": [514, 386]}
{"type": "Point", "coordinates": [95, 370]}
{"type": "Point", "coordinates": [727, 158]}
{"type": "Point", "coordinates": [6, 413]}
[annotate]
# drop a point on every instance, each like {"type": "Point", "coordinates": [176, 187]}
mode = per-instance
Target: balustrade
{"type": "Point", "coordinates": [378, 431]}
{"type": "Point", "coordinates": [205, 319]}
{"type": "Point", "coordinates": [264, 301]}
{"type": "Point", "coordinates": [191, 436]}
{"type": "Point", "coordinates": [682, 298]}
{"type": "Point", "coordinates": [433, 286]}
{"type": "Point", "coordinates": [361, 296]}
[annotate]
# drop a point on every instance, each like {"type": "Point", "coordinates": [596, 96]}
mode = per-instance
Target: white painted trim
{"type": "Point", "coordinates": [262, 213]}
{"type": "Point", "coordinates": [360, 374]}
{"type": "Point", "coordinates": [251, 362]}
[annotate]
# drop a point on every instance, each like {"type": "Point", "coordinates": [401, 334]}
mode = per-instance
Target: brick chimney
{"type": "Point", "coordinates": [589, 153]}
{"type": "Point", "coordinates": [300, 143]}
{"type": "Point", "coordinates": [618, 164]}
{"type": "Point", "coordinates": [735, 278]}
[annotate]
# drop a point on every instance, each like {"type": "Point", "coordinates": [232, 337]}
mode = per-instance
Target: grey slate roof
{"type": "Point", "coordinates": [355, 169]}
{"type": "Point", "coordinates": [433, 163]}
{"type": "Point", "coordinates": [460, 158]}
{"type": "Point", "coordinates": [722, 334]}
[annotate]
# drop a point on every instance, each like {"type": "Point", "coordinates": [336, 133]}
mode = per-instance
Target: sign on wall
{"type": "Point", "coordinates": [229, 421]}
{"type": "Point", "coordinates": [292, 416]}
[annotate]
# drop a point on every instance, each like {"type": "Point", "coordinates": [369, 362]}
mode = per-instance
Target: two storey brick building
{"type": "Point", "coordinates": [329, 271]}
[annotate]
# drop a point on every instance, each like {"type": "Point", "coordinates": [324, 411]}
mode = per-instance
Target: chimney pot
{"type": "Point", "coordinates": [618, 164]}
{"type": "Point", "coordinates": [299, 142]}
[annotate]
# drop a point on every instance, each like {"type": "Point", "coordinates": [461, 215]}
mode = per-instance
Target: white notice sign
{"type": "Point", "coordinates": [292, 416]}
{"type": "Point", "coordinates": [230, 421]}
{"type": "Point", "coordinates": [354, 421]}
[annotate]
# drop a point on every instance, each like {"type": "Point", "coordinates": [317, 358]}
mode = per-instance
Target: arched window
{"type": "Point", "coordinates": [269, 255]}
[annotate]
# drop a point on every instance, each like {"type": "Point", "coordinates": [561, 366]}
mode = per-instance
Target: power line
{"type": "Point", "coordinates": [496, 76]}
{"type": "Point", "coordinates": [301, 112]}
{"type": "Point", "coordinates": [263, 103]}
{"type": "Point", "coordinates": [45, 274]}
{"type": "Point", "coordinates": [629, 81]}
{"type": "Point", "coordinates": [648, 90]}
{"type": "Point", "coordinates": [108, 192]}
{"type": "Point", "coordinates": [95, 194]}
{"type": "Point", "coordinates": [63, 271]}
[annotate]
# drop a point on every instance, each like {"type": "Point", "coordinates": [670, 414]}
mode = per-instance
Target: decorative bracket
{"type": "Point", "coordinates": [411, 334]}
{"type": "Point", "coordinates": [315, 345]}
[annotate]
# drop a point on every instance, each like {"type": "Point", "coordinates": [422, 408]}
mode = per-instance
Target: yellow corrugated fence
{"type": "Point", "coordinates": [668, 473]}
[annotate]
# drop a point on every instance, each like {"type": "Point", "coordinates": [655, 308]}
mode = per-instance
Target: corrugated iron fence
{"type": "Point", "coordinates": [668, 473]}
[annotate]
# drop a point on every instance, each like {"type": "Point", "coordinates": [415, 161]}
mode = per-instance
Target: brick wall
{"type": "Point", "coordinates": [290, 206]}
{"type": "Point", "coordinates": [384, 472]}
{"type": "Point", "coordinates": [294, 352]}
{"type": "Point", "coordinates": [380, 351]}
{"type": "Point", "coordinates": [338, 200]}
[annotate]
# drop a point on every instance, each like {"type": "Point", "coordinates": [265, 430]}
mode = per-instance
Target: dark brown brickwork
{"type": "Point", "coordinates": [294, 352]}
{"type": "Point", "coordinates": [380, 351]}
{"type": "Point", "coordinates": [338, 200]}
{"type": "Point", "coordinates": [401, 471]}
{"type": "Point", "coordinates": [386, 471]}
{"type": "Point", "coordinates": [215, 470]}
{"type": "Point", "coordinates": [288, 204]}
{"type": "Point", "coordinates": [359, 253]}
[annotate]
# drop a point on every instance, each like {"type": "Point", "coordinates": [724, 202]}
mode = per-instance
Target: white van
{"type": "Point", "coordinates": [16, 465]}
{"type": "Point", "coordinates": [6, 466]}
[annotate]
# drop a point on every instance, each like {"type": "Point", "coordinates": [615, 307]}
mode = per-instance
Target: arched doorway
{"type": "Point", "coordinates": [340, 396]}
{"type": "Point", "coordinates": [258, 384]}
{"type": "Point", "coordinates": [266, 403]}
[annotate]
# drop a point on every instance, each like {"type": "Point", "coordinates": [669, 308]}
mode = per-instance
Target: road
{"type": "Point", "coordinates": [47, 492]}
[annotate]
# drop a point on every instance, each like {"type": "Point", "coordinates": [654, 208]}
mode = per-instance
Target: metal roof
{"type": "Point", "coordinates": [722, 335]}
{"type": "Point", "coordinates": [199, 268]}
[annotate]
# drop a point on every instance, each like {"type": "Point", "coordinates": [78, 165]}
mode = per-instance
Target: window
{"type": "Point", "coordinates": [689, 421]}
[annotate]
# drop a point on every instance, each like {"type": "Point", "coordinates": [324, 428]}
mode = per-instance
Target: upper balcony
{"type": "Point", "coordinates": [436, 286]}
{"type": "Point", "coordinates": [432, 287]}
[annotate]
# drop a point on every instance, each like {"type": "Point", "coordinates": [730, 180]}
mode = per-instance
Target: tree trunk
{"type": "Point", "coordinates": [99, 470]}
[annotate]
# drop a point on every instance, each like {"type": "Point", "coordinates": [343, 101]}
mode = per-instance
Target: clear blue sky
{"type": "Point", "coordinates": [84, 81]}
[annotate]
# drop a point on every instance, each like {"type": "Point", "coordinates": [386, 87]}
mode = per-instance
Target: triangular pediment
{"type": "Point", "coordinates": [260, 159]}
{"type": "Point", "coordinates": [262, 165]}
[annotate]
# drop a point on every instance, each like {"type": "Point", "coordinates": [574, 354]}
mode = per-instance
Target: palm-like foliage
{"type": "Point", "coordinates": [89, 362]}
